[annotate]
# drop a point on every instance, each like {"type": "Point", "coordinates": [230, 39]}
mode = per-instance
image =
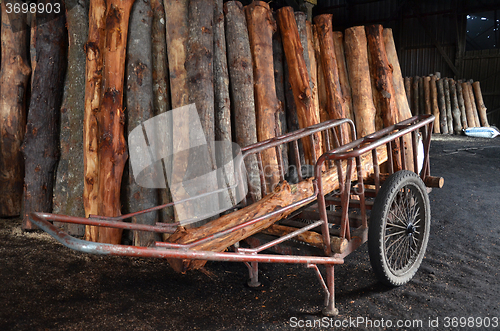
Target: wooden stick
{"type": "Point", "coordinates": [335, 101]}
{"type": "Point", "coordinates": [283, 195]}
{"type": "Point", "coordinates": [480, 104]}
{"type": "Point", "coordinates": [461, 105]}
{"type": "Point", "coordinates": [239, 59]}
{"type": "Point", "coordinates": [443, 121]}
{"type": "Point", "coordinates": [434, 103]}
{"type": "Point", "coordinates": [299, 80]}
{"type": "Point", "coordinates": [447, 99]}
{"type": "Point", "coordinates": [14, 80]}
{"type": "Point", "coordinates": [455, 111]}
{"type": "Point", "coordinates": [261, 26]}
{"type": "Point", "coordinates": [356, 52]}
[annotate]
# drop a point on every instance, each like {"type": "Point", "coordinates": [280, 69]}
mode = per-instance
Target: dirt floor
{"type": "Point", "coordinates": [45, 286]}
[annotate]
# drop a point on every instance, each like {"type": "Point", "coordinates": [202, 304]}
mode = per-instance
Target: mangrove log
{"type": "Point", "coordinates": [443, 121]}
{"type": "Point", "coordinates": [461, 105]}
{"type": "Point", "coordinates": [434, 103]}
{"type": "Point", "coordinates": [480, 104]}
{"type": "Point", "coordinates": [455, 111]}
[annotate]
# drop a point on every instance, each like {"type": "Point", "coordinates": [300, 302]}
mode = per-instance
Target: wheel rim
{"type": "Point", "coordinates": [404, 230]}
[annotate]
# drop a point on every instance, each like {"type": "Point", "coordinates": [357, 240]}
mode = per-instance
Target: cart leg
{"type": "Point", "coordinates": [253, 270]}
{"type": "Point", "coordinates": [330, 309]}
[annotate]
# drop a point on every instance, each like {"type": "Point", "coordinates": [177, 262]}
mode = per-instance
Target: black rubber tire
{"type": "Point", "coordinates": [399, 228]}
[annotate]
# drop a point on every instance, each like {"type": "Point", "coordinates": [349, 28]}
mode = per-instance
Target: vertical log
{"type": "Point", "coordinates": [455, 111]}
{"type": "Point", "coordinates": [14, 79]}
{"type": "Point", "coordinates": [335, 101]}
{"type": "Point", "coordinates": [68, 188]}
{"type": "Point", "coordinates": [381, 73]}
{"type": "Point", "coordinates": [139, 105]}
{"type": "Point", "coordinates": [421, 95]}
{"type": "Point", "coordinates": [416, 95]}
{"type": "Point", "coordinates": [473, 104]}
{"type": "Point", "coordinates": [400, 95]}
{"type": "Point", "coordinates": [408, 92]}
{"type": "Point", "coordinates": [299, 80]}
{"type": "Point", "coordinates": [279, 79]}
{"type": "Point", "coordinates": [242, 91]}
{"type": "Point", "coordinates": [40, 146]}
{"type": "Point", "coordinates": [356, 53]}
{"type": "Point", "coordinates": [94, 49]}
{"type": "Point", "coordinates": [322, 98]}
{"type": "Point", "coordinates": [314, 68]}
{"type": "Point", "coordinates": [427, 95]}
{"type": "Point", "coordinates": [261, 27]}
{"type": "Point", "coordinates": [435, 107]}
{"type": "Point", "coordinates": [443, 121]}
{"type": "Point", "coordinates": [345, 86]}
{"type": "Point", "coordinates": [471, 122]}
{"type": "Point", "coordinates": [161, 90]}
{"type": "Point", "coordinates": [461, 105]}
{"type": "Point", "coordinates": [480, 104]}
{"type": "Point", "coordinates": [112, 145]}
{"type": "Point", "coordinates": [447, 99]}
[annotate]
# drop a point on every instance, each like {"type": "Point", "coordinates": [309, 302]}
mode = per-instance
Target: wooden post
{"type": "Point", "coordinates": [480, 104]}
{"type": "Point", "coordinates": [473, 104]}
{"type": "Point", "coordinates": [345, 86]}
{"type": "Point", "coordinates": [314, 69]}
{"type": "Point", "coordinates": [427, 95]}
{"type": "Point", "coordinates": [112, 145]}
{"type": "Point", "coordinates": [94, 49]}
{"type": "Point", "coordinates": [461, 105]}
{"type": "Point", "coordinates": [447, 99]}
{"type": "Point", "coordinates": [455, 111]}
{"type": "Point", "coordinates": [421, 95]}
{"type": "Point", "coordinates": [382, 77]}
{"type": "Point", "coordinates": [14, 79]}
{"type": "Point", "coordinates": [471, 122]}
{"type": "Point", "coordinates": [68, 188]}
{"type": "Point", "coordinates": [322, 98]}
{"type": "Point", "coordinates": [356, 54]}
{"type": "Point", "coordinates": [261, 27]}
{"type": "Point", "coordinates": [335, 100]}
{"type": "Point", "coordinates": [299, 80]}
{"type": "Point", "coordinates": [239, 59]}
{"type": "Point", "coordinates": [408, 92]}
{"type": "Point", "coordinates": [434, 103]}
{"type": "Point", "coordinates": [443, 122]}
{"type": "Point", "coordinates": [416, 96]}
{"type": "Point", "coordinates": [40, 146]}
{"type": "Point", "coordinates": [139, 104]}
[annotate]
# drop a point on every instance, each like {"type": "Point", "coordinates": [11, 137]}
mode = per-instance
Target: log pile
{"type": "Point", "coordinates": [457, 104]}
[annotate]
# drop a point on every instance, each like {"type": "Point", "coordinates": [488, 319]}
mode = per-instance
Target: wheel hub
{"type": "Point", "coordinates": [410, 230]}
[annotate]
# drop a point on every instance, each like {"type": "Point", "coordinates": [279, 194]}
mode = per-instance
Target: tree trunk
{"type": "Point", "coordinates": [461, 105]}
{"type": "Point", "coordinates": [421, 96]}
{"type": "Point", "coordinates": [447, 99]}
{"type": "Point", "coordinates": [299, 80]}
{"type": "Point", "coordinates": [242, 92]}
{"type": "Point", "coordinates": [473, 104]}
{"type": "Point", "coordinates": [335, 101]}
{"type": "Point", "coordinates": [434, 102]}
{"type": "Point", "coordinates": [68, 189]}
{"type": "Point", "coordinates": [261, 27]}
{"type": "Point", "coordinates": [382, 76]}
{"type": "Point", "coordinates": [415, 95]}
{"type": "Point", "coordinates": [427, 95]}
{"type": "Point", "coordinates": [455, 111]}
{"type": "Point", "coordinates": [94, 49]}
{"type": "Point", "coordinates": [400, 95]}
{"type": "Point", "coordinates": [314, 68]}
{"type": "Point", "coordinates": [322, 98]}
{"type": "Point", "coordinates": [284, 195]}
{"type": "Point", "coordinates": [480, 103]}
{"type": "Point", "coordinates": [112, 145]}
{"type": "Point", "coordinates": [356, 53]}
{"type": "Point", "coordinates": [40, 146]}
{"type": "Point", "coordinates": [471, 123]}
{"type": "Point", "coordinates": [139, 105]}
{"type": "Point", "coordinates": [161, 91]}
{"type": "Point", "coordinates": [408, 92]}
{"type": "Point", "coordinates": [14, 79]}
{"type": "Point", "coordinates": [443, 122]}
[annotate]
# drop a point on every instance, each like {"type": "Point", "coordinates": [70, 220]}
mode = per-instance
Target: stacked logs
{"type": "Point", "coordinates": [456, 104]}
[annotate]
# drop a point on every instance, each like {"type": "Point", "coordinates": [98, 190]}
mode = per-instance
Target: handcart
{"type": "Point", "coordinates": [390, 210]}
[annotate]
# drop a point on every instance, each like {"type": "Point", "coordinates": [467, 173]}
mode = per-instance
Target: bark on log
{"type": "Point", "coordinates": [94, 49]}
{"type": "Point", "coordinates": [461, 105]}
{"type": "Point", "coordinates": [314, 69]}
{"type": "Point", "coordinates": [473, 104]}
{"type": "Point", "coordinates": [322, 98]}
{"type": "Point", "coordinates": [14, 79]}
{"type": "Point", "coordinates": [356, 53]}
{"type": "Point", "coordinates": [161, 90]}
{"type": "Point", "coordinates": [112, 145]}
{"type": "Point", "coordinates": [283, 195]}
{"type": "Point", "coordinates": [345, 86]}
{"type": "Point", "coordinates": [455, 111]}
{"type": "Point", "coordinates": [443, 122]}
{"type": "Point", "coordinates": [400, 95]}
{"type": "Point", "coordinates": [68, 189]}
{"type": "Point", "coordinates": [447, 99]}
{"type": "Point", "coordinates": [382, 76]}
{"type": "Point", "coordinates": [40, 146]}
{"type": "Point", "coordinates": [421, 96]}
{"type": "Point", "coordinates": [408, 92]}
{"type": "Point", "coordinates": [427, 95]}
{"type": "Point", "coordinates": [139, 105]}
{"type": "Point", "coordinates": [415, 94]}
{"type": "Point", "coordinates": [434, 103]}
{"type": "Point", "coordinates": [480, 104]}
{"type": "Point", "coordinates": [261, 27]}
{"type": "Point", "coordinates": [300, 82]}
{"type": "Point", "coordinates": [242, 91]}
{"type": "Point", "coordinates": [471, 122]}
{"type": "Point", "coordinates": [335, 100]}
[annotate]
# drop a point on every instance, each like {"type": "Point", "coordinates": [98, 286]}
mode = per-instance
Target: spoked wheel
{"type": "Point", "coordinates": [399, 228]}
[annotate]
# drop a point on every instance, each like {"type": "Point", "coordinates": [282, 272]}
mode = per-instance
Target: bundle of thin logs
{"type": "Point", "coordinates": [457, 105]}
{"type": "Point", "coordinates": [253, 74]}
